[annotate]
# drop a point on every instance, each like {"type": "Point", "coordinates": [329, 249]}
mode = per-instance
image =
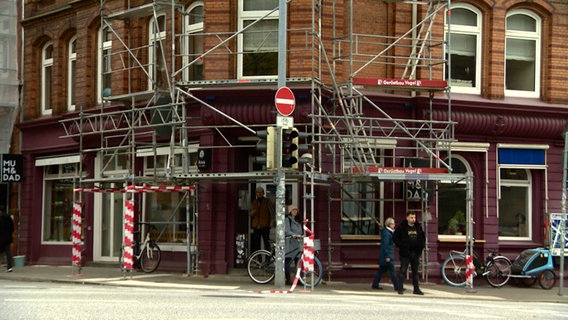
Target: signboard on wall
{"type": "Point", "coordinates": [558, 233]}
{"type": "Point", "coordinates": [11, 167]}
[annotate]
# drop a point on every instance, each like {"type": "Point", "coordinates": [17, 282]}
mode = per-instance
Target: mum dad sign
{"type": "Point", "coordinates": [11, 167]}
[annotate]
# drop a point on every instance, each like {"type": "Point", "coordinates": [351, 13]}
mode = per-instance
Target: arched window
{"type": "Point", "coordinates": [193, 42]}
{"type": "Point", "coordinates": [46, 78]}
{"type": "Point", "coordinates": [71, 73]}
{"type": "Point", "coordinates": [452, 201]}
{"type": "Point", "coordinates": [258, 45]}
{"type": "Point", "coordinates": [522, 54]}
{"type": "Point", "coordinates": [463, 32]}
{"type": "Point", "coordinates": [103, 63]}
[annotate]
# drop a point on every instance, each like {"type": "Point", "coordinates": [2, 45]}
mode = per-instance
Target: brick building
{"type": "Point", "coordinates": [200, 76]}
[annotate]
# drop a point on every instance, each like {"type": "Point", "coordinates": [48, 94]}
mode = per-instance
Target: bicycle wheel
{"type": "Point", "coordinates": [260, 267]}
{"type": "Point", "coordinates": [150, 257]}
{"type": "Point", "coordinates": [547, 279]}
{"type": "Point", "coordinates": [453, 270]}
{"type": "Point", "coordinates": [306, 278]}
{"type": "Point", "coordinates": [498, 272]}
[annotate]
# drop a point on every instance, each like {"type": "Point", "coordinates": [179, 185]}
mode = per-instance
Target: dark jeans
{"type": "Point", "coordinates": [287, 262]}
{"type": "Point", "coordinates": [390, 268]}
{"type": "Point", "coordinates": [257, 234]}
{"type": "Point", "coordinates": [414, 261]}
{"type": "Point", "coordinates": [6, 249]}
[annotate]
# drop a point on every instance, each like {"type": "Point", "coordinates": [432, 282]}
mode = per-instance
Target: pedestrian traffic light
{"type": "Point", "coordinates": [289, 148]}
{"type": "Point", "coordinates": [266, 145]}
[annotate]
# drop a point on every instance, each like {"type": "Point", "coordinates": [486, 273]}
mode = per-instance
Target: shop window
{"type": "Point", "coordinates": [258, 44]}
{"type": "Point", "coordinates": [71, 73]}
{"type": "Point", "coordinates": [104, 64]}
{"type": "Point", "coordinates": [58, 202]}
{"type": "Point", "coordinates": [359, 210]}
{"type": "Point", "coordinates": [464, 35]}
{"type": "Point", "coordinates": [167, 212]}
{"type": "Point", "coordinates": [452, 201]}
{"type": "Point", "coordinates": [514, 203]}
{"type": "Point", "coordinates": [193, 45]}
{"type": "Point", "coordinates": [46, 78]}
{"type": "Point", "coordinates": [522, 54]}
{"type": "Point", "coordinates": [157, 63]}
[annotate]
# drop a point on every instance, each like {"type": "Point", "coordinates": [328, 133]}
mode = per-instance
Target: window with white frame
{"type": "Point", "coordinates": [258, 44]}
{"type": "Point", "coordinates": [452, 204]}
{"type": "Point", "coordinates": [71, 73]}
{"type": "Point", "coordinates": [193, 42]}
{"type": "Point", "coordinates": [46, 78]}
{"type": "Point", "coordinates": [104, 64]}
{"type": "Point", "coordinates": [463, 32]}
{"type": "Point", "coordinates": [156, 62]}
{"type": "Point", "coordinates": [514, 203]}
{"type": "Point", "coordinates": [58, 202]}
{"type": "Point", "coordinates": [522, 54]}
{"type": "Point", "coordinates": [515, 187]}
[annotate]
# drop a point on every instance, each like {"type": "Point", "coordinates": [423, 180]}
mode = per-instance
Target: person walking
{"type": "Point", "coordinates": [261, 220]}
{"type": "Point", "coordinates": [6, 230]}
{"type": "Point", "coordinates": [386, 256]}
{"type": "Point", "coordinates": [410, 240]}
{"type": "Point", "coordinates": [293, 232]}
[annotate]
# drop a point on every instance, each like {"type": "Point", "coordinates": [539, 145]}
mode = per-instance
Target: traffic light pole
{"type": "Point", "coordinates": [281, 176]}
{"type": "Point", "coordinates": [280, 182]}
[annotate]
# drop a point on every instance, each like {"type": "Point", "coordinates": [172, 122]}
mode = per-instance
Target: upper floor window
{"type": "Point", "coordinates": [71, 73]}
{"type": "Point", "coordinates": [157, 63]}
{"type": "Point", "coordinates": [103, 64]}
{"type": "Point", "coordinates": [463, 31]}
{"type": "Point", "coordinates": [46, 78]}
{"type": "Point", "coordinates": [193, 45]}
{"type": "Point", "coordinates": [258, 44]}
{"type": "Point", "coordinates": [522, 54]}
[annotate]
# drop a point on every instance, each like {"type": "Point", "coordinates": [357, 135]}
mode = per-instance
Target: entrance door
{"type": "Point", "coordinates": [108, 226]}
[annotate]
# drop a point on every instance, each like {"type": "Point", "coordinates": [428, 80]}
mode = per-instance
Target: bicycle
{"type": "Point", "coordinates": [496, 269]}
{"type": "Point", "coordinates": [147, 255]}
{"type": "Point", "coordinates": [261, 268]}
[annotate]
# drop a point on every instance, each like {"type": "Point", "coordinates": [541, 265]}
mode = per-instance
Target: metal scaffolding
{"type": "Point", "coordinates": [146, 93]}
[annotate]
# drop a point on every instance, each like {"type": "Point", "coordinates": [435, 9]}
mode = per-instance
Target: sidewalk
{"type": "Point", "coordinates": [237, 279]}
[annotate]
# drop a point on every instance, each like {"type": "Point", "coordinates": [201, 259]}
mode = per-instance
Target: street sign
{"type": "Point", "coordinates": [285, 101]}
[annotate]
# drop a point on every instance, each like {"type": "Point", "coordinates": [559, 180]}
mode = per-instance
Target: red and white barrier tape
{"type": "Point", "coordinates": [76, 233]}
{"type": "Point", "coordinates": [470, 270]}
{"type": "Point", "coordinates": [128, 252]}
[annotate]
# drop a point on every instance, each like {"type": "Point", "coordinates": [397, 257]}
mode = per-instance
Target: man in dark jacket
{"type": "Point", "coordinates": [6, 230]}
{"type": "Point", "coordinates": [386, 256]}
{"type": "Point", "coordinates": [410, 240]}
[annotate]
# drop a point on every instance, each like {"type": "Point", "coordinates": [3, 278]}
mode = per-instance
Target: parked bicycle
{"type": "Point", "coordinates": [147, 255]}
{"type": "Point", "coordinates": [496, 269]}
{"type": "Point", "coordinates": [261, 268]}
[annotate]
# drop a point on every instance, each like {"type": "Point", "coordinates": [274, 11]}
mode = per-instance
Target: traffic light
{"type": "Point", "coordinates": [267, 146]}
{"type": "Point", "coordinates": [290, 148]}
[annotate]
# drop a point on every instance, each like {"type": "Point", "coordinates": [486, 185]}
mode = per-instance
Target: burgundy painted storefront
{"type": "Point", "coordinates": [220, 219]}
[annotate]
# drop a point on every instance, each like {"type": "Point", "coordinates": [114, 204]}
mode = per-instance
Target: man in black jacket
{"type": "Point", "coordinates": [410, 240]}
{"type": "Point", "coordinates": [6, 230]}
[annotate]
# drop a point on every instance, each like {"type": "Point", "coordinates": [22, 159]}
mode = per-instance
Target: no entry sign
{"type": "Point", "coordinates": [285, 101]}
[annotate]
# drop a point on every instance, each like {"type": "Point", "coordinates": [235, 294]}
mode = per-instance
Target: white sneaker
{"type": "Point", "coordinates": [9, 270]}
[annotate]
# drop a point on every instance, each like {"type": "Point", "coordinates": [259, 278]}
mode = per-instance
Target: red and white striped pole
{"type": "Point", "coordinates": [77, 233]}
{"type": "Point", "coordinates": [470, 271]}
{"type": "Point", "coordinates": [128, 252]}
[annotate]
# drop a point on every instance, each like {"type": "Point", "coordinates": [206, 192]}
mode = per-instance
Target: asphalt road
{"type": "Point", "coordinates": [51, 300]}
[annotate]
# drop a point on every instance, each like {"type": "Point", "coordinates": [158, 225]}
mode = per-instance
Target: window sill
{"type": "Point", "coordinates": [457, 239]}
{"type": "Point", "coordinates": [360, 237]}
